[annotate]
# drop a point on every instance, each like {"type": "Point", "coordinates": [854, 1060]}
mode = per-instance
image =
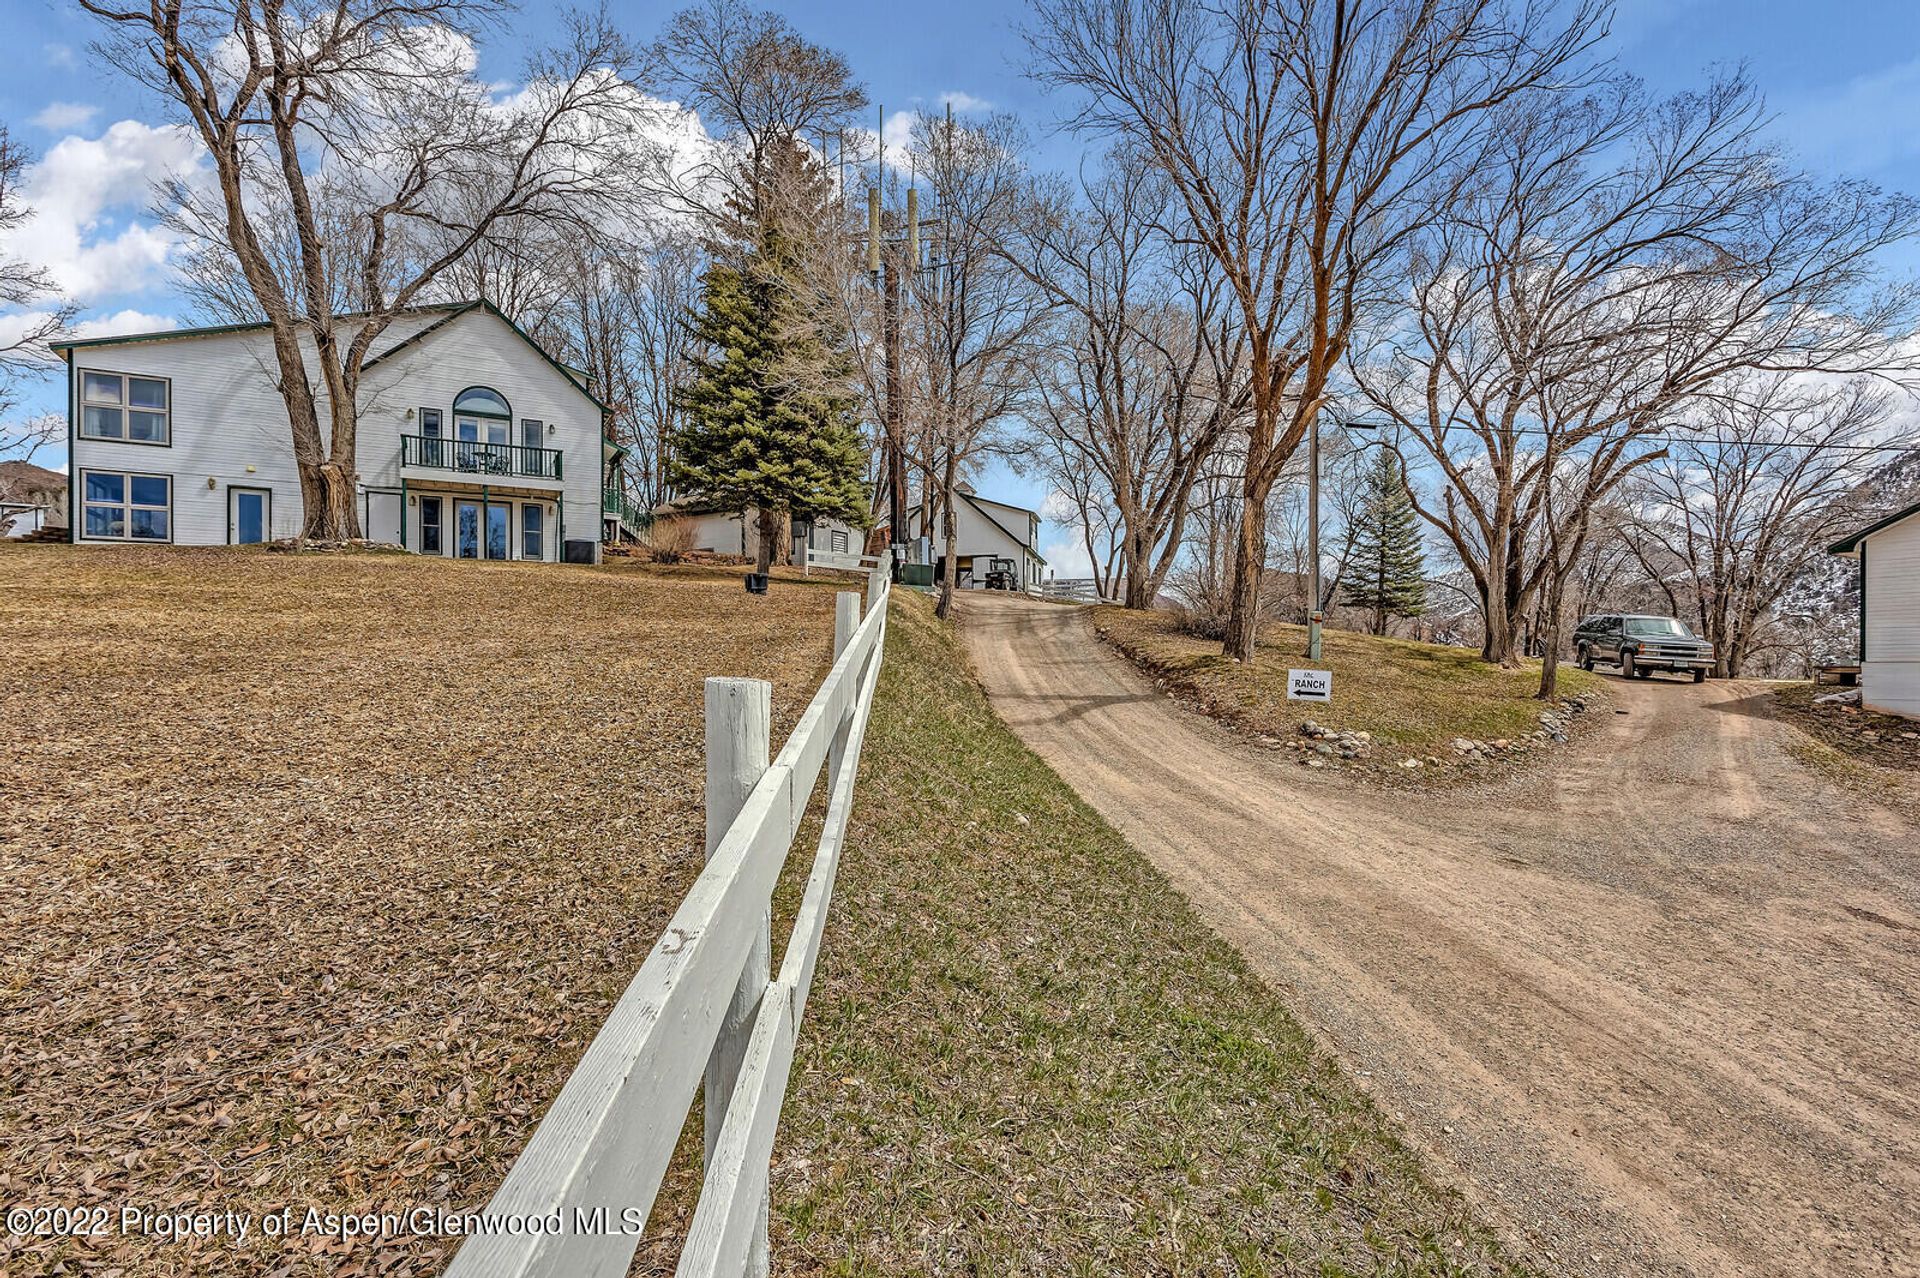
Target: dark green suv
{"type": "Point", "coordinates": [1641, 645]}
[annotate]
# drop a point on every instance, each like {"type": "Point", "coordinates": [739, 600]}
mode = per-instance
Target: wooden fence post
{"type": "Point", "coordinates": [739, 733]}
{"type": "Point", "coordinates": [846, 620]}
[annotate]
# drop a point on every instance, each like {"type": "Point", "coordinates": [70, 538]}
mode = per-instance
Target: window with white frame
{"type": "Point", "coordinates": [837, 540]}
{"type": "Point", "coordinates": [125, 407]}
{"type": "Point", "coordinates": [120, 506]}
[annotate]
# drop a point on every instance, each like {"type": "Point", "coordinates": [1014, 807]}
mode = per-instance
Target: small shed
{"type": "Point", "coordinates": [1889, 555]}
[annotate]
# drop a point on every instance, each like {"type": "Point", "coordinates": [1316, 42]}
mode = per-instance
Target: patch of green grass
{"type": "Point", "coordinates": [1026, 1054]}
{"type": "Point", "coordinates": [1413, 695]}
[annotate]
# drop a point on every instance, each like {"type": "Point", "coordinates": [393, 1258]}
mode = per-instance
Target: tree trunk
{"type": "Point", "coordinates": [1550, 649]}
{"type": "Point", "coordinates": [768, 525]}
{"type": "Point", "coordinates": [1243, 600]}
{"type": "Point", "coordinates": [949, 530]}
{"type": "Point", "coordinates": [1139, 569]}
{"type": "Point", "coordinates": [327, 494]}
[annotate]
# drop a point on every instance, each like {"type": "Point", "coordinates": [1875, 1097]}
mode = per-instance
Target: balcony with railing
{"type": "Point", "coordinates": [614, 501]}
{"type": "Point", "coordinates": [481, 461]}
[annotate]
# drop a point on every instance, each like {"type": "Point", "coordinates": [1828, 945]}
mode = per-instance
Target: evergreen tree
{"type": "Point", "coordinates": [771, 416]}
{"type": "Point", "coordinates": [1386, 562]}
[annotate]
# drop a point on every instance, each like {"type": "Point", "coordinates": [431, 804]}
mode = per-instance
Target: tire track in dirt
{"type": "Point", "coordinates": [1635, 1003]}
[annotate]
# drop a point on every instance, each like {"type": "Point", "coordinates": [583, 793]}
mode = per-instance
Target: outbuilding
{"type": "Point", "coordinates": [995, 545]}
{"type": "Point", "coordinates": [1889, 555]}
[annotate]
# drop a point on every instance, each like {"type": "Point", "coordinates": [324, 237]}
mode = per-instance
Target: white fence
{"type": "Point", "coordinates": [1084, 589]}
{"type": "Point", "coordinates": [702, 1005]}
{"type": "Point", "coordinates": [845, 560]}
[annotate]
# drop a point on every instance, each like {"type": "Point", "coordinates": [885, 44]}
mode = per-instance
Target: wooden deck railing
{"type": "Point", "coordinates": [573, 1205]}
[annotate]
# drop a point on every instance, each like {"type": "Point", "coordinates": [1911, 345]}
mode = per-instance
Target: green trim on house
{"type": "Point", "coordinates": [1848, 545]}
{"type": "Point", "coordinates": [222, 330]}
{"type": "Point", "coordinates": [454, 311]}
{"type": "Point", "coordinates": [73, 466]}
{"type": "Point", "coordinates": [482, 304]}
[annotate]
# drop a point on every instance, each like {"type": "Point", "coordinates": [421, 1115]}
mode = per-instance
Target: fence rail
{"type": "Point", "coordinates": [842, 559]}
{"type": "Point", "coordinates": [702, 1004]}
{"type": "Point", "coordinates": [1085, 589]}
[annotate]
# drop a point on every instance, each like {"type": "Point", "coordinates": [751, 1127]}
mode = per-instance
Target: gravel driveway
{"type": "Point", "coordinates": [1657, 1006]}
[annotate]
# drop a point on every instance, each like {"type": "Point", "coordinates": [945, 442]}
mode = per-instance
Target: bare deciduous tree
{"type": "Point", "coordinates": [972, 314]}
{"type": "Point", "coordinates": [357, 158]}
{"type": "Point", "coordinates": [1607, 261]}
{"type": "Point", "coordinates": [25, 353]}
{"type": "Point", "coordinates": [1299, 136]}
{"type": "Point", "coordinates": [1149, 385]}
{"type": "Point", "coordinates": [1733, 516]}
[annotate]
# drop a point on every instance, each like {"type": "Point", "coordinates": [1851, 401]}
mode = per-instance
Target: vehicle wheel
{"type": "Point", "coordinates": [1699, 676]}
{"type": "Point", "coordinates": [1626, 666]}
{"type": "Point", "coordinates": [1586, 657]}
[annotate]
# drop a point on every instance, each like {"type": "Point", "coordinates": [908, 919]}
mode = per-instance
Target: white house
{"type": "Point", "coordinates": [473, 441]}
{"type": "Point", "coordinates": [737, 532]}
{"type": "Point", "coordinates": [985, 531]}
{"type": "Point", "coordinates": [1889, 555]}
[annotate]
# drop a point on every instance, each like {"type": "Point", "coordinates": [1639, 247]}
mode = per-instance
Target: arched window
{"type": "Point", "coordinates": [482, 401]}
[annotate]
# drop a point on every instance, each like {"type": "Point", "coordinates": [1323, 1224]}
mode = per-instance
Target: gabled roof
{"type": "Point", "coordinates": [572, 375]}
{"type": "Point", "coordinates": [222, 330]}
{"type": "Point", "coordinates": [1018, 539]}
{"type": "Point", "coordinates": [448, 311]}
{"type": "Point", "coordinates": [1851, 545]}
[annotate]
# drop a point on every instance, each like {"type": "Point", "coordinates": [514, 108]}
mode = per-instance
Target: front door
{"type": "Point", "coordinates": [249, 515]}
{"type": "Point", "coordinates": [466, 529]}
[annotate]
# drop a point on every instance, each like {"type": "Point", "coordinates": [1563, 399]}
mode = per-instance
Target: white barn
{"type": "Point", "coordinates": [986, 530]}
{"type": "Point", "coordinates": [473, 441]}
{"type": "Point", "coordinates": [1889, 555]}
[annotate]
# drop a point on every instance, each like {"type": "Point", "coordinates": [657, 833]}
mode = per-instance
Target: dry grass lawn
{"type": "Point", "coordinates": [1412, 697]}
{"type": "Point", "coordinates": [317, 874]}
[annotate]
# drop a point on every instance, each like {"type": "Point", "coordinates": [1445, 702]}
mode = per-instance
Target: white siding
{"type": "Point", "coordinates": [229, 425]}
{"type": "Point", "coordinates": [980, 538]}
{"type": "Point", "coordinates": [729, 533]}
{"type": "Point", "coordinates": [1890, 675]}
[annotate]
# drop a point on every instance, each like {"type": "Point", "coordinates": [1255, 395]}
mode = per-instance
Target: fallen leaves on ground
{"type": "Point", "coordinates": [319, 872]}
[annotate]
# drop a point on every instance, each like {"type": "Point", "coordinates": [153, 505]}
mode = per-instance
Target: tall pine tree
{"type": "Point", "coordinates": [1385, 560]}
{"type": "Point", "coordinates": [771, 417]}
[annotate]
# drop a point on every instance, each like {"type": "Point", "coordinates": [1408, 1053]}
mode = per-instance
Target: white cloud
{"type": "Point", "coordinates": [121, 323]}
{"type": "Point", "coordinates": [1066, 552]}
{"type": "Point", "coordinates": [1066, 559]}
{"type": "Point", "coordinates": [118, 324]}
{"type": "Point", "coordinates": [60, 55]}
{"type": "Point", "coordinates": [63, 117]}
{"type": "Point", "coordinates": [964, 102]}
{"type": "Point", "coordinates": [89, 199]}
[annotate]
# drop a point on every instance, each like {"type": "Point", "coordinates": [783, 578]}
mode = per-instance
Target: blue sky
{"type": "Point", "coordinates": [1843, 82]}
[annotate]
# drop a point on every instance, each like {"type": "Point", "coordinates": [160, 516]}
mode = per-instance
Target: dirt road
{"type": "Point", "coordinates": [1657, 1007]}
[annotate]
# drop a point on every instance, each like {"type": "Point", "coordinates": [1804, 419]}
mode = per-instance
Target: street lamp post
{"type": "Point", "coordinates": [1314, 617]}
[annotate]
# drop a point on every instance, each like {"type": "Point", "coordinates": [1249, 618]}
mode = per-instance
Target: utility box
{"type": "Point", "coordinates": [580, 550]}
{"type": "Point", "coordinates": [916, 575]}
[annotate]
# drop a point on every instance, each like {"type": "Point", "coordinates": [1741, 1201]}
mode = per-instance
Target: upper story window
{"type": "Point", "coordinates": [481, 401]}
{"type": "Point", "coordinates": [125, 407]}
{"type": "Point", "coordinates": [533, 434]}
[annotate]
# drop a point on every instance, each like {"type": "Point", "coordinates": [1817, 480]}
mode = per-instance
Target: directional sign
{"type": "Point", "coordinates": [1309, 685]}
